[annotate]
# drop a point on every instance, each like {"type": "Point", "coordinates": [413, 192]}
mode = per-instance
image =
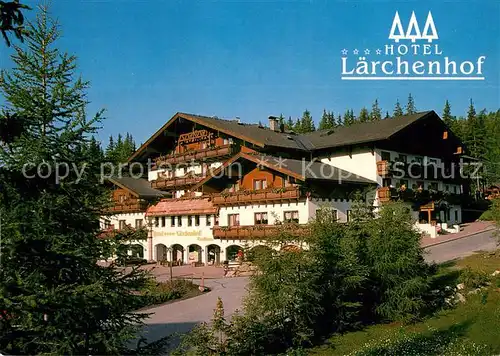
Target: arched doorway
{"type": "Point", "coordinates": [233, 251]}
{"type": "Point", "coordinates": [161, 252]}
{"type": "Point", "coordinates": [178, 254]}
{"type": "Point", "coordinates": [213, 254]}
{"type": "Point", "coordinates": [194, 253]}
{"type": "Point", "coordinates": [136, 251]}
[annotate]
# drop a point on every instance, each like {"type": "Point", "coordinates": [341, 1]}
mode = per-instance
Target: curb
{"type": "Point", "coordinates": [458, 238]}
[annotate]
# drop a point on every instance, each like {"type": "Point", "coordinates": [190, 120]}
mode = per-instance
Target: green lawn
{"type": "Point", "coordinates": [472, 327]}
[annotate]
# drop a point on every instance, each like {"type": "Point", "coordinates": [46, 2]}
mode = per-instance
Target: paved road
{"type": "Point", "coordinates": [181, 316]}
{"type": "Point", "coordinates": [484, 241]}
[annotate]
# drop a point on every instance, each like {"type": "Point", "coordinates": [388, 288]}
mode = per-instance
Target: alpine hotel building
{"type": "Point", "coordinates": [215, 186]}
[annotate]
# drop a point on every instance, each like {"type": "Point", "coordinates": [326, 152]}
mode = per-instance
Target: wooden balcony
{"type": "Point", "coordinates": [258, 232]}
{"type": "Point", "coordinates": [175, 183]}
{"type": "Point", "coordinates": [383, 168]}
{"type": "Point", "coordinates": [208, 154]}
{"type": "Point", "coordinates": [129, 207]}
{"type": "Point", "coordinates": [385, 194]}
{"type": "Point", "coordinates": [257, 197]}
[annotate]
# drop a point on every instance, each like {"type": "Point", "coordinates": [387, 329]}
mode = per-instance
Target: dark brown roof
{"type": "Point", "coordinates": [138, 186]}
{"type": "Point", "coordinates": [341, 136]}
{"type": "Point", "coordinates": [363, 132]}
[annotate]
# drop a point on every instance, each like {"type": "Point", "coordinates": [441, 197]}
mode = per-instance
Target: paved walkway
{"type": "Point", "coordinates": [466, 230]}
{"type": "Point", "coordinates": [181, 316]}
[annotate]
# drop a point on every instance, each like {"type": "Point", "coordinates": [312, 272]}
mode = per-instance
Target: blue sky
{"type": "Point", "coordinates": [147, 60]}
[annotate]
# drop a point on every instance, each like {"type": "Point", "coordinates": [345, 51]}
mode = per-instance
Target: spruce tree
{"type": "Point", "coordinates": [364, 115]}
{"type": "Point", "coordinates": [376, 113]}
{"type": "Point", "coordinates": [57, 299]}
{"type": "Point", "coordinates": [447, 118]}
{"type": "Point", "coordinates": [349, 118]}
{"type": "Point", "coordinates": [306, 123]}
{"type": "Point", "coordinates": [410, 106]}
{"type": "Point", "coordinates": [327, 121]}
{"type": "Point", "coordinates": [387, 116]}
{"type": "Point", "coordinates": [398, 111]}
{"type": "Point", "coordinates": [289, 125]}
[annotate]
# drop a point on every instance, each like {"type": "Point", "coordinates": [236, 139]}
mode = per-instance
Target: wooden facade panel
{"type": "Point", "coordinates": [272, 179]}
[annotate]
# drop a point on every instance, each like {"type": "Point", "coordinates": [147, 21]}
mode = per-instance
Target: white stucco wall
{"type": "Point", "coordinates": [361, 162]}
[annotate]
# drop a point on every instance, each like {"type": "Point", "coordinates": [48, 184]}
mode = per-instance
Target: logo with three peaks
{"type": "Point", "coordinates": [413, 55]}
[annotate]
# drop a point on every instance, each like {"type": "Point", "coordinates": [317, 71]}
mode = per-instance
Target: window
{"type": "Point", "coordinates": [233, 219]}
{"type": "Point", "coordinates": [138, 223]}
{"type": "Point", "coordinates": [157, 221]}
{"type": "Point", "coordinates": [433, 186]}
{"type": "Point", "coordinates": [163, 221]}
{"type": "Point", "coordinates": [386, 182]}
{"type": "Point", "coordinates": [197, 220]}
{"type": "Point", "coordinates": [261, 219]}
{"type": "Point", "coordinates": [121, 224]}
{"type": "Point", "coordinates": [216, 220]}
{"type": "Point", "coordinates": [447, 188]}
{"type": "Point", "coordinates": [107, 224]}
{"type": "Point", "coordinates": [418, 159]}
{"type": "Point", "coordinates": [455, 189]}
{"type": "Point", "coordinates": [208, 220]}
{"type": "Point", "coordinates": [259, 184]}
{"type": "Point", "coordinates": [325, 213]}
{"type": "Point", "coordinates": [122, 198]}
{"type": "Point", "coordinates": [179, 221]}
{"type": "Point", "coordinates": [420, 184]}
{"type": "Point", "coordinates": [402, 158]}
{"type": "Point", "coordinates": [456, 216]}
{"type": "Point", "coordinates": [291, 216]}
{"type": "Point", "coordinates": [190, 220]}
{"type": "Point", "coordinates": [172, 221]}
{"type": "Point", "coordinates": [386, 156]}
{"type": "Point", "coordinates": [348, 213]}
{"type": "Point", "coordinates": [445, 135]}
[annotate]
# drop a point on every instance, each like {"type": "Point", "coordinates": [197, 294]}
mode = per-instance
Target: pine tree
{"type": "Point", "coordinates": [387, 116]}
{"type": "Point", "coordinates": [289, 126]}
{"type": "Point", "coordinates": [410, 106]}
{"type": "Point", "coordinates": [340, 122]}
{"type": "Point", "coordinates": [447, 118]}
{"type": "Point", "coordinates": [398, 111]}
{"type": "Point", "coordinates": [349, 118]}
{"type": "Point", "coordinates": [306, 123]}
{"type": "Point", "coordinates": [57, 298]}
{"type": "Point", "coordinates": [327, 121]}
{"type": "Point", "coordinates": [376, 113]}
{"type": "Point", "coordinates": [364, 115]}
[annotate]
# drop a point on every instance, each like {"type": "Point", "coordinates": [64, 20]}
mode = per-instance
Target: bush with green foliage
{"type": "Point", "coordinates": [350, 274]}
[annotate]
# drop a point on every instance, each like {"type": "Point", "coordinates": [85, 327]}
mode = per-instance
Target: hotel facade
{"type": "Point", "coordinates": [212, 187]}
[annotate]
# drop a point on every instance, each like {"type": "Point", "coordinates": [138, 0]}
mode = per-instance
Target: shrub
{"type": "Point", "coordinates": [473, 279]}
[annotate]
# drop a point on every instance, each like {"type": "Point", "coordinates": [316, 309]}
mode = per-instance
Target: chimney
{"type": "Point", "coordinates": [274, 124]}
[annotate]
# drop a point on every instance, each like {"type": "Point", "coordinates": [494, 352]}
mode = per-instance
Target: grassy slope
{"type": "Point", "coordinates": [470, 328]}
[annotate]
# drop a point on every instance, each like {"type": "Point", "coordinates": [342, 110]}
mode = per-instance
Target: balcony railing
{"type": "Point", "coordinates": [257, 231]}
{"type": "Point", "coordinates": [418, 197]}
{"type": "Point", "coordinates": [257, 196]}
{"type": "Point", "coordinates": [175, 183]}
{"type": "Point", "coordinates": [197, 155]}
{"type": "Point", "coordinates": [129, 207]}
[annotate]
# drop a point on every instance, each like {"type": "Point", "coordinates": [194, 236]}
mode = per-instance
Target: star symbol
{"type": "Point", "coordinates": [280, 162]}
{"type": "Point", "coordinates": [378, 51]}
{"type": "Point", "coordinates": [262, 162]}
{"type": "Point", "coordinates": [344, 52]}
{"type": "Point", "coordinates": [355, 52]}
{"type": "Point", "coordinates": [367, 51]}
